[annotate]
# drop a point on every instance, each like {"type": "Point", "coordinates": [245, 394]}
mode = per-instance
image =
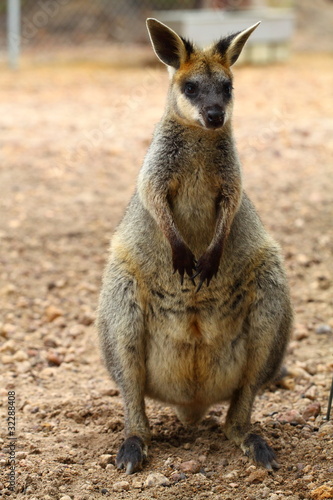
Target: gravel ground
{"type": "Point", "coordinates": [73, 139]}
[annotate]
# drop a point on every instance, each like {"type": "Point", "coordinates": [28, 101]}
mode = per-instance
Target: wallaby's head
{"type": "Point", "coordinates": [201, 80]}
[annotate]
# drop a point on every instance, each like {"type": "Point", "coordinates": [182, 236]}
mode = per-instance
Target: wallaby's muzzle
{"type": "Point", "coordinates": [213, 116]}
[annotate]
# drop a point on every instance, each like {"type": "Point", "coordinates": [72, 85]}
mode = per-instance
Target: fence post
{"type": "Point", "coordinates": [13, 32]}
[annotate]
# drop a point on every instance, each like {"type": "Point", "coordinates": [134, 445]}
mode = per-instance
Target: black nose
{"type": "Point", "coordinates": [215, 116]}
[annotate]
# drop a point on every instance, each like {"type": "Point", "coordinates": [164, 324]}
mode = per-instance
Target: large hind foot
{"type": "Point", "coordinates": [255, 447]}
{"type": "Point", "coordinates": [132, 454]}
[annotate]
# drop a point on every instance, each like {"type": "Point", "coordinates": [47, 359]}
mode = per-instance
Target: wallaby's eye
{"type": "Point", "coordinates": [227, 89]}
{"type": "Point", "coordinates": [191, 89]}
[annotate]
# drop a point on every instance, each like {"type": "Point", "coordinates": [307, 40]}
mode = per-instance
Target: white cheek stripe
{"type": "Point", "coordinates": [187, 109]}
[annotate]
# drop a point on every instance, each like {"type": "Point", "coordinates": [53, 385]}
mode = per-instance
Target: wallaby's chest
{"type": "Point", "coordinates": [193, 200]}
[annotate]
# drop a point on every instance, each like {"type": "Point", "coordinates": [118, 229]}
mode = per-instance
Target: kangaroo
{"type": "Point", "coordinates": [194, 307]}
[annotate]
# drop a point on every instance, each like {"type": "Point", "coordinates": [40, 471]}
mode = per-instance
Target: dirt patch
{"type": "Point", "coordinates": [73, 140]}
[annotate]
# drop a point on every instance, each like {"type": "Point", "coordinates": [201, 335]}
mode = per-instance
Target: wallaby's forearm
{"type": "Point", "coordinates": [155, 198]}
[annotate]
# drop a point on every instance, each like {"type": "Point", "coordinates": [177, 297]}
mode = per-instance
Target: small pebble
{"type": "Point", "coordinates": [176, 477]}
{"type": "Point", "coordinates": [76, 331]}
{"type": "Point", "coordinates": [190, 467]}
{"type": "Point", "coordinates": [66, 497]}
{"type": "Point", "coordinates": [137, 483]}
{"type": "Point", "coordinates": [104, 460]}
{"type": "Point", "coordinates": [168, 462]}
{"type": "Point", "coordinates": [326, 429]}
{"type": "Point", "coordinates": [257, 476]}
{"type": "Point", "coordinates": [24, 367]}
{"type": "Point", "coordinates": [301, 332]}
{"type": "Point", "coordinates": [311, 393]}
{"type": "Point", "coordinates": [324, 330]}
{"type": "Point", "coordinates": [20, 356]}
{"type": "Point", "coordinates": [52, 313]}
{"type": "Point", "coordinates": [156, 479]}
{"type": "Point", "coordinates": [8, 346]}
{"type": "Point", "coordinates": [87, 319]}
{"type": "Point", "coordinates": [7, 359]}
{"type": "Point", "coordinates": [324, 282]}
{"type": "Point", "coordinates": [7, 329]}
{"type": "Point", "coordinates": [265, 491]}
{"type": "Point", "coordinates": [53, 359]}
{"type": "Point", "coordinates": [311, 367]}
{"type": "Point", "coordinates": [231, 475]}
{"type": "Point", "coordinates": [50, 342]}
{"type": "Point", "coordinates": [311, 410]}
{"type": "Point", "coordinates": [291, 417]}
{"type": "Point", "coordinates": [303, 260]}
{"type": "Point", "coordinates": [234, 485]}
{"type": "Point", "coordinates": [121, 486]}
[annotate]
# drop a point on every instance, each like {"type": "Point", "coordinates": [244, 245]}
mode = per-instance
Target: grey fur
{"type": "Point", "coordinates": [189, 214]}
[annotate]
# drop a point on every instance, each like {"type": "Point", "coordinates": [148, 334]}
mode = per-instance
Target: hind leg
{"type": "Point", "coordinates": [268, 329]}
{"type": "Point", "coordinates": [237, 429]}
{"type": "Point", "coordinates": [121, 330]}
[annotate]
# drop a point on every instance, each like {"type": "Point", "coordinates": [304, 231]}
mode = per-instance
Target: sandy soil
{"type": "Point", "coordinates": [72, 141]}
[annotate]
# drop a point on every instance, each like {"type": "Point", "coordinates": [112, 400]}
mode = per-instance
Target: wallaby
{"type": "Point", "coordinates": [220, 331]}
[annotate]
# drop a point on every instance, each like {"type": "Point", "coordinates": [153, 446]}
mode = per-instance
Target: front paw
{"type": "Point", "coordinates": [255, 446]}
{"type": "Point", "coordinates": [131, 454]}
{"type": "Point", "coordinates": [207, 267]}
{"type": "Point", "coordinates": [183, 261]}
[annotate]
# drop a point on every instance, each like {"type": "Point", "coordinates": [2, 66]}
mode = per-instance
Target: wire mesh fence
{"type": "Point", "coordinates": [48, 26]}
{"type": "Point", "coordinates": [49, 23]}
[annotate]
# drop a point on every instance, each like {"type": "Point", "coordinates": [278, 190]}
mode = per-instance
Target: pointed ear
{"type": "Point", "coordinates": [169, 47]}
{"type": "Point", "coordinates": [231, 46]}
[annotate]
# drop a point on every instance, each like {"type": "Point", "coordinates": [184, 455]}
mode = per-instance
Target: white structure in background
{"type": "Point", "coordinates": [269, 43]}
{"type": "Point", "coordinates": [13, 32]}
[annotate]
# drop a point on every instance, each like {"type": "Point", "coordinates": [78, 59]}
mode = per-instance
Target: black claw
{"type": "Point", "coordinates": [195, 275]}
{"type": "Point", "coordinates": [199, 286]}
{"type": "Point", "coordinates": [202, 280]}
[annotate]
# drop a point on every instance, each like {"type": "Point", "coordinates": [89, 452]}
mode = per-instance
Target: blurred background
{"type": "Point", "coordinates": [58, 29]}
{"type": "Point", "coordinates": [80, 93]}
